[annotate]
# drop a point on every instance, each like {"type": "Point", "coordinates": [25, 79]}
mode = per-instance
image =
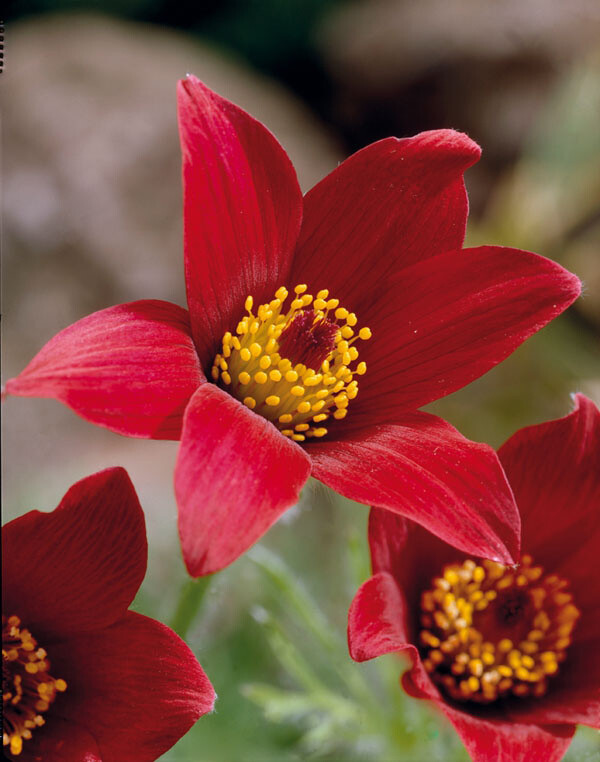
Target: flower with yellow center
{"type": "Point", "coordinates": [509, 653]}
{"type": "Point", "coordinates": [264, 390]}
{"type": "Point", "coordinates": [28, 689]}
{"type": "Point", "coordinates": [295, 366]}
{"type": "Point", "coordinates": [490, 631]}
{"type": "Point", "coordinates": [75, 679]}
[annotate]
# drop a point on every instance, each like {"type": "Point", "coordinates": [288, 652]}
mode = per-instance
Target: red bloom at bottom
{"type": "Point", "coordinates": [82, 677]}
{"type": "Point", "coordinates": [508, 653]}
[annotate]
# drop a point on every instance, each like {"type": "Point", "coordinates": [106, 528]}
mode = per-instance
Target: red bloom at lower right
{"type": "Point", "coordinates": [510, 654]}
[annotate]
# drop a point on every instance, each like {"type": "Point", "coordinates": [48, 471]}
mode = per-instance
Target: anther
{"type": "Point", "coordinates": [469, 617]}
{"type": "Point", "coordinates": [296, 365]}
{"type": "Point", "coordinates": [27, 687]}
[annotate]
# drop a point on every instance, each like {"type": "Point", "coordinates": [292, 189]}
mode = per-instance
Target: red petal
{"type": "Point", "coordinates": [426, 470]}
{"type": "Point", "coordinates": [377, 619]}
{"type": "Point", "coordinates": [506, 741]}
{"type": "Point", "coordinates": [242, 211]}
{"type": "Point", "coordinates": [136, 686]}
{"type": "Point", "coordinates": [417, 683]}
{"type": "Point", "coordinates": [412, 555]}
{"type": "Point", "coordinates": [235, 475]}
{"type": "Point", "coordinates": [379, 622]}
{"type": "Point", "coordinates": [79, 567]}
{"type": "Point", "coordinates": [393, 203]}
{"type": "Point", "coordinates": [130, 368]}
{"type": "Point", "coordinates": [450, 319]}
{"type": "Point", "coordinates": [554, 470]}
{"type": "Point", "coordinates": [59, 740]}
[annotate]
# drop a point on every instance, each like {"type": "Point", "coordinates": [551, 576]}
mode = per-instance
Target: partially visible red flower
{"type": "Point", "coordinates": [82, 677]}
{"type": "Point", "coordinates": [509, 654]}
{"type": "Point", "coordinates": [316, 328]}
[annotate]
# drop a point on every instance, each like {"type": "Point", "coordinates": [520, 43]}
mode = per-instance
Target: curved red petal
{"type": "Point", "coordinates": [242, 211]}
{"type": "Point", "coordinates": [377, 619]}
{"type": "Point", "coordinates": [59, 740]}
{"type": "Point", "coordinates": [235, 475]}
{"type": "Point", "coordinates": [136, 686]}
{"type": "Point", "coordinates": [416, 682]}
{"type": "Point", "coordinates": [503, 740]}
{"type": "Point", "coordinates": [554, 470]}
{"type": "Point", "coordinates": [450, 319]}
{"type": "Point", "coordinates": [412, 555]}
{"type": "Point", "coordinates": [426, 470]}
{"type": "Point", "coordinates": [392, 203]}
{"type": "Point", "coordinates": [377, 625]}
{"type": "Point", "coordinates": [130, 368]}
{"type": "Point", "coordinates": [79, 567]}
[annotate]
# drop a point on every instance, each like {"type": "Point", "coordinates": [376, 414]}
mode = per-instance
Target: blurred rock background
{"type": "Point", "coordinates": [92, 217]}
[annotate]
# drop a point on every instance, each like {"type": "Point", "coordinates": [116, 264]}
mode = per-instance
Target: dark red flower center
{"type": "Point", "coordinates": [491, 631]}
{"type": "Point", "coordinates": [27, 687]}
{"type": "Point", "coordinates": [297, 367]}
{"type": "Point", "coordinates": [511, 608]}
{"type": "Point", "coordinates": [307, 341]}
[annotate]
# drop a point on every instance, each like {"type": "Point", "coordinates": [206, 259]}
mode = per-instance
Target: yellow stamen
{"type": "Point", "coordinates": [288, 390]}
{"type": "Point", "coordinates": [500, 631]}
{"type": "Point", "coordinates": [27, 686]}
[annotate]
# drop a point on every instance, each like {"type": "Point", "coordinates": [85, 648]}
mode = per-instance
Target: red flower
{"type": "Point", "coordinates": [82, 677]}
{"type": "Point", "coordinates": [509, 654]}
{"type": "Point", "coordinates": [376, 250]}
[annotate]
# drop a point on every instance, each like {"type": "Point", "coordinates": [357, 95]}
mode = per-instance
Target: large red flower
{"type": "Point", "coordinates": [263, 388]}
{"type": "Point", "coordinates": [82, 677]}
{"type": "Point", "coordinates": [509, 654]}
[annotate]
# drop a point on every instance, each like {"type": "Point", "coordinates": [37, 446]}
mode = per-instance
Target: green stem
{"type": "Point", "coordinates": [189, 603]}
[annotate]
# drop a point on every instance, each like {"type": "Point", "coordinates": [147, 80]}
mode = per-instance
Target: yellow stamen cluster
{"type": "Point", "coordinates": [297, 398]}
{"type": "Point", "coordinates": [491, 631]}
{"type": "Point", "coordinates": [27, 688]}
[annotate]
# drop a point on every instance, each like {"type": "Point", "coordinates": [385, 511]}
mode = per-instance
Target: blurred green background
{"type": "Point", "coordinates": [92, 217]}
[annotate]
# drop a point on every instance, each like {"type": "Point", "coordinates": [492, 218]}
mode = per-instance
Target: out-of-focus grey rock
{"type": "Point", "coordinates": [92, 217]}
{"type": "Point", "coordinates": [92, 193]}
{"type": "Point", "coordinates": [483, 67]}
{"type": "Point", "coordinates": [386, 41]}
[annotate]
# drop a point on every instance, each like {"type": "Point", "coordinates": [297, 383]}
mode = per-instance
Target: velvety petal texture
{"type": "Point", "coordinates": [142, 690]}
{"type": "Point", "coordinates": [132, 686]}
{"type": "Point", "coordinates": [426, 470]}
{"type": "Point", "coordinates": [489, 740]}
{"type": "Point", "coordinates": [561, 529]}
{"type": "Point", "coordinates": [242, 211]}
{"type": "Point", "coordinates": [554, 469]}
{"type": "Point", "coordinates": [77, 568]}
{"type": "Point", "coordinates": [393, 203]}
{"type": "Point", "coordinates": [130, 368]}
{"type": "Point", "coordinates": [235, 475]}
{"type": "Point", "coordinates": [377, 619]}
{"type": "Point", "coordinates": [451, 318]}
{"type": "Point", "coordinates": [561, 523]}
{"type": "Point", "coordinates": [411, 554]}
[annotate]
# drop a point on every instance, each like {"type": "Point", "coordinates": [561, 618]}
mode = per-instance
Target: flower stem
{"type": "Point", "coordinates": [189, 604]}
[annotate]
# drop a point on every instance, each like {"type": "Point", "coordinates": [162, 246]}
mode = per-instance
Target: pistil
{"type": "Point", "coordinates": [27, 687]}
{"type": "Point", "coordinates": [297, 367]}
{"type": "Point", "coordinates": [490, 631]}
